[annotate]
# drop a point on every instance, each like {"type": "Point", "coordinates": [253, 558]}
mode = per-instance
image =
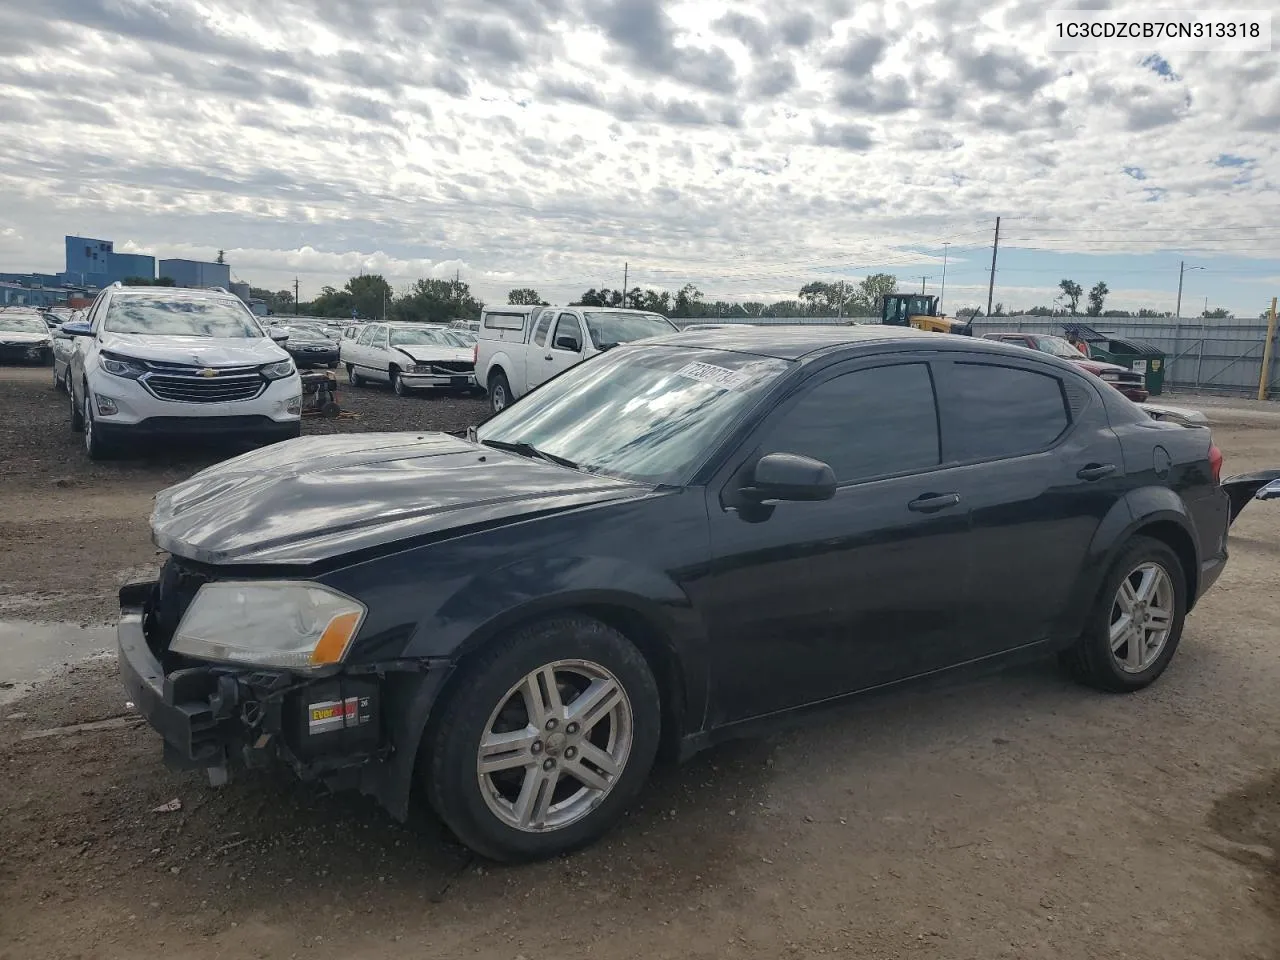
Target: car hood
{"type": "Point", "coordinates": [424, 353]}
{"type": "Point", "coordinates": [204, 351]}
{"type": "Point", "coordinates": [22, 336]}
{"type": "Point", "coordinates": [1098, 366]}
{"type": "Point", "coordinates": [295, 341]}
{"type": "Point", "coordinates": [314, 498]}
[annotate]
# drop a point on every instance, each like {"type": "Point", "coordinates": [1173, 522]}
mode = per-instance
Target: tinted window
{"type": "Point", "coordinates": [567, 326]}
{"type": "Point", "coordinates": [998, 411]}
{"type": "Point", "coordinates": [864, 424]}
{"type": "Point", "coordinates": [544, 323]}
{"type": "Point", "coordinates": [504, 321]}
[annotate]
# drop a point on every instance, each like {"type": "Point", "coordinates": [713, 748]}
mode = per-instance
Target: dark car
{"type": "Point", "coordinates": [675, 542]}
{"type": "Point", "coordinates": [24, 336]}
{"type": "Point", "coordinates": [1130, 383]}
{"type": "Point", "coordinates": [311, 345]}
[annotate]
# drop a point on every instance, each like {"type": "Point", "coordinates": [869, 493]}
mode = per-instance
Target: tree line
{"type": "Point", "coordinates": [370, 296]}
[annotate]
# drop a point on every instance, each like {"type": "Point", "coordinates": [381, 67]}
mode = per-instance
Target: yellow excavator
{"type": "Point", "coordinates": [920, 311]}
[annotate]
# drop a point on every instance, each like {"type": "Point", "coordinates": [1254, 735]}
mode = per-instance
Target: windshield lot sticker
{"type": "Point", "coordinates": [716, 376]}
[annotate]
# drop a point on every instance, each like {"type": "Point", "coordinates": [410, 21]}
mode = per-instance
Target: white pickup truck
{"type": "Point", "coordinates": [520, 347]}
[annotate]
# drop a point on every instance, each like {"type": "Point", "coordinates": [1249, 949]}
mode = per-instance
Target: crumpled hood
{"type": "Point", "coordinates": [425, 353]}
{"type": "Point", "coordinates": [22, 336]}
{"type": "Point", "coordinates": [307, 500]}
{"type": "Point", "coordinates": [204, 351]}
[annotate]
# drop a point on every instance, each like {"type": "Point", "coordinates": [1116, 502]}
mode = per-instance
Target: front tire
{"type": "Point", "coordinates": [97, 448]}
{"type": "Point", "coordinates": [354, 378]}
{"type": "Point", "coordinates": [544, 739]}
{"type": "Point", "coordinates": [397, 384]}
{"type": "Point", "coordinates": [1136, 622]}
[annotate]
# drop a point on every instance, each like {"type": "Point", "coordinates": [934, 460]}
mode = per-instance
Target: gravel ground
{"type": "Point", "coordinates": [64, 514]}
{"type": "Point", "coordinates": [1014, 816]}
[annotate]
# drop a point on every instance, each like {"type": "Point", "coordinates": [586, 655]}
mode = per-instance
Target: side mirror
{"type": "Point", "coordinates": [789, 476]}
{"type": "Point", "coordinates": [278, 334]}
{"type": "Point", "coordinates": [76, 329]}
{"type": "Point", "coordinates": [1270, 492]}
{"type": "Point", "coordinates": [568, 343]}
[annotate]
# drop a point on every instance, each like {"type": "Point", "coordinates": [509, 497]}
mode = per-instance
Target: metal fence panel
{"type": "Point", "coordinates": [1206, 356]}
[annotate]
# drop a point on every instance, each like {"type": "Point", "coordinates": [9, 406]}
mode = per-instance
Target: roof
{"type": "Point", "coordinates": [793, 343]}
{"type": "Point", "coordinates": [170, 293]}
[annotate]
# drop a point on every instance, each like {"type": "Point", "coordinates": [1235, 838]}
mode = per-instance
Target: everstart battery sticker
{"type": "Point", "coordinates": [330, 715]}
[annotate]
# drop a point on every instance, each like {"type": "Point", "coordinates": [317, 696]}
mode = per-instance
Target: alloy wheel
{"type": "Point", "coordinates": [88, 424]}
{"type": "Point", "coordinates": [555, 746]}
{"type": "Point", "coordinates": [499, 398]}
{"type": "Point", "coordinates": [1141, 617]}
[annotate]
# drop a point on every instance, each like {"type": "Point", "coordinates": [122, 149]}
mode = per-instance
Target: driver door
{"type": "Point", "coordinates": [563, 349]}
{"type": "Point", "coordinates": [810, 601]}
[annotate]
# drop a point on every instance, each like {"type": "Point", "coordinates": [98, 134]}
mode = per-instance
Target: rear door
{"type": "Point", "coordinates": [1038, 467]}
{"type": "Point", "coordinates": [817, 600]}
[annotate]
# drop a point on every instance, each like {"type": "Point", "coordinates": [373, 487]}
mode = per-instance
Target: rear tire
{"type": "Point", "coordinates": [1136, 623]}
{"type": "Point", "coordinates": [77, 415]}
{"type": "Point", "coordinates": [491, 699]}
{"type": "Point", "coordinates": [499, 392]}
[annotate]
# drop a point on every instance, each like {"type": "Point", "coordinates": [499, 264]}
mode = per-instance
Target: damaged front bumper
{"type": "Point", "coordinates": [354, 730]}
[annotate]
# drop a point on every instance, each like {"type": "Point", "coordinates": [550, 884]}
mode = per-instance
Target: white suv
{"type": "Point", "coordinates": [166, 362]}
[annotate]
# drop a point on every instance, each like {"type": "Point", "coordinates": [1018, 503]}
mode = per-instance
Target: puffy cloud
{"type": "Point", "coordinates": [544, 142]}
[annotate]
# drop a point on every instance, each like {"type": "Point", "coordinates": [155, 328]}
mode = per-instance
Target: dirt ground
{"type": "Point", "coordinates": [1015, 816]}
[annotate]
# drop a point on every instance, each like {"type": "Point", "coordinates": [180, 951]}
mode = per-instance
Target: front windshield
{"type": "Point", "coordinates": [181, 317]}
{"type": "Point", "coordinates": [1058, 347]}
{"type": "Point", "coordinates": [648, 413]}
{"type": "Point", "coordinates": [22, 324]}
{"type": "Point", "coordinates": [421, 336]}
{"type": "Point", "coordinates": [608, 329]}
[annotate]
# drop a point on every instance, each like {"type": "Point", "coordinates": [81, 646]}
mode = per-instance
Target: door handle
{"type": "Point", "coordinates": [547, 357]}
{"type": "Point", "coordinates": [1096, 471]}
{"type": "Point", "coordinates": [933, 502]}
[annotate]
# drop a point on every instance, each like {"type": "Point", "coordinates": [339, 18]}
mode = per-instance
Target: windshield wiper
{"type": "Point", "coordinates": [529, 450]}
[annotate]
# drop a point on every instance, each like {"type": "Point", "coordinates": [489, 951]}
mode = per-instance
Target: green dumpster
{"type": "Point", "coordinates": [1137, 355]}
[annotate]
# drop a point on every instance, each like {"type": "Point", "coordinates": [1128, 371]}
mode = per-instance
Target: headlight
{"type": "Point", "coordinates": [294, 626]}
{"type": "Point", "coordinates": [420, 368]}
{"type": "Point", "coordinates": [1109, 375]}
{"type": "Point", "coordinates": [278, 371]}
{"type": "Point", "coordinates": [121, 366]}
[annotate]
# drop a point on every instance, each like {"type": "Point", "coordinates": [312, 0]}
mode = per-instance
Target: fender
{"type": "Point", "coordinates": [1136, 509]}
{"type": "Point", "coordinates": [499, 361]}
{"type": "Point", "coordinates": [486, 605]}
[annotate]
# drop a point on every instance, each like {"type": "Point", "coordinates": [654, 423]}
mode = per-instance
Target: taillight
{"type": "Point", "coordinates": [1215, 462]}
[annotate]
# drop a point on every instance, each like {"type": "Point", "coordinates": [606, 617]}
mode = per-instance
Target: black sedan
{"type": "Point", "coordinates": [675, 542]}
{"type": "Point", "coordinates": [311, 345]}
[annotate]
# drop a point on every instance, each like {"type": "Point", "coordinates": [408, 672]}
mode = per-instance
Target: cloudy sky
{"type": "Point", "coordinates": [746, 147]}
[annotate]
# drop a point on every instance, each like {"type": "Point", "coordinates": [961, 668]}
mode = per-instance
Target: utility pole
{"type": "Point", "coordinates": [840, 314]}
{"type": "Point", "coordinates": [1265, 379]}
{"type": "Point", "coordinates": [943, 295]}
{"type": "Point", "coordinates": [295, 296]}
{"type": "Point", "coordinates": [922, 280]}
{"type": "Point", "coordinates": [625, 268]}
{"type": "Point", "coordinates": [991, 285]}
{"type": "Point", "coordinates": [1182, 268]}
{"type": "Point", "coordinates": [1206, 307]}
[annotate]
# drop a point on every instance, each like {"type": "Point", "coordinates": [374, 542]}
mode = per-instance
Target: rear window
{"type": "Point", "coordinates": [504, 321]}
{"type": "Point", "coordinates": [995, 412]}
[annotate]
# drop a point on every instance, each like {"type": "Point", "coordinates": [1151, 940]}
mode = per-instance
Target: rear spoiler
{"type": "Point", "coordinates": [1263, 485]}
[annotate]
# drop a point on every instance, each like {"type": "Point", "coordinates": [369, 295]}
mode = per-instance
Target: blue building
{"type": "Point", "coordinates": [95, 263]}
{"type": "Point", "coordinates": [196, 273]}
